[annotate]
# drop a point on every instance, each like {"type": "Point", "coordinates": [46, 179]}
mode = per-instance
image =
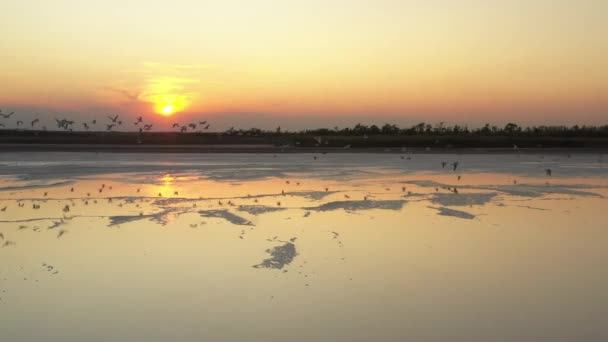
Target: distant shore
{"type": "Point", "coordinates": [172, 142]}
{"type": "Point", "coordinates": [116, 148]}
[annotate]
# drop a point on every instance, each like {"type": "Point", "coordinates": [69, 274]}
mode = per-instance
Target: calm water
{"type": "Point", "coordinates": [303, 247]}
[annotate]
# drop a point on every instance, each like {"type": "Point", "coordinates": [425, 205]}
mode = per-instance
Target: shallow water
{"type": "Point", "coordinates": [262, 247]}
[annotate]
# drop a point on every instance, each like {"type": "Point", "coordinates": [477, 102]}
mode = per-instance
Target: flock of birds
{"type": "Point", "coordinates": [66, 209]}
{"type": "Point", "coordinates": [112, 123]}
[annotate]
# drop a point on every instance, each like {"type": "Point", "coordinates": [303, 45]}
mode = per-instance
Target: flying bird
{"type": "Point", "coordinates": [6, 116]}
{"type": "Point", "coordinates": [35, 121]}
{"type": "Point", "coordinates": [110, 126]}
{"type": "Point", "coordinates": [113, 118]}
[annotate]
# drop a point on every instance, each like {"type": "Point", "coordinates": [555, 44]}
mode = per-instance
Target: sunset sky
{"type": "Point", "coordinates": [308, 63]}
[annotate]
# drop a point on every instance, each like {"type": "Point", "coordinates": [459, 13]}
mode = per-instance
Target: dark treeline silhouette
{"type": "Point", "coordinates": [423, 135]}
{"type": "Point", "coordinates": [440, 129]}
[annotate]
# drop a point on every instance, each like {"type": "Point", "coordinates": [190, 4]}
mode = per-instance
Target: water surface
{"type": "Point", "coordinates": [303, 247]}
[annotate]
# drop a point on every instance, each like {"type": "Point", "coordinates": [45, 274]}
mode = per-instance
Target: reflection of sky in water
{"type": "Point", "coordinates": [263, 247]}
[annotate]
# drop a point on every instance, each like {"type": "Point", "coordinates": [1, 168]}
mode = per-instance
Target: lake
{"type": "Point", "coordinates": [303, 247]}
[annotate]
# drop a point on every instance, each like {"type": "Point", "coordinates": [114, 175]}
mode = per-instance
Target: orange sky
{"type": "Point", "coordinates": [310, 63]}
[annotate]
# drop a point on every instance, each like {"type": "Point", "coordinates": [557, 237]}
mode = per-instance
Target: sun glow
{"type": "Point", "coordinates": [168, 110]}
{"type": "Point", "coordinates": [168, 95]}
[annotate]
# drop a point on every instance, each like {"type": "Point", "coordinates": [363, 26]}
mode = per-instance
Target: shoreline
{"type": "Point", "coordinates": [268, 148]}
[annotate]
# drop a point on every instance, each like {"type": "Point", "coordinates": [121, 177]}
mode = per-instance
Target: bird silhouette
{"type": "Point", "coordinates": [6, 116]}
{"type": "Point", "coordinates": [114, 119]}
{"type": "Point", "coordinates": [110, 126]}
{"type": "Point", "coordinates": [35, 121]}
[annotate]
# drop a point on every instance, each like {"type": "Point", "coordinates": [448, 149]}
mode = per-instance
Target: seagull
{"type": "Point", "coordinates": [19, 122]}
{"type": "Point", "coordinates": [140, 119]}
{"type": "Point", "coordinates": [202, 123]}
{"type": "Point", "coordinates": [183, 129]}
{"type": "Point", "coordinates": [548, 172]}
{"type": "Point", "coordinates": [192, 125]}
{"type": "Point", "coordinates": [86, 126]}
{"type": "Point", "coordinates": [207, 127]}
{"type": "Point", "coordinates": [63, 123]}
{"type": "Point", "coordinates": [175, 125]}
{"type": "Point", "coordinates": [147, 127]}
{"type": "Point", "coordinates": [443, 164]}
{"type": "Point", "coordinates": [94, 122]}
{"type": "Point", "coordinates": [35, 121]}
{"type": "Point", "coordinates": [113, 118]}
{"type": "Point", "coordinates": [6, 116]}
{"type": "Point", "coordinates": [454, 166]}
{"type": "Point", "coordinates": [110, 126]}
{"type": "Point", "coordinates": [60, 233]}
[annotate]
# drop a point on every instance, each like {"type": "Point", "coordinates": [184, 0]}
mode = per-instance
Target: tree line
{"type": "Point", "coordinates": [439, 129]}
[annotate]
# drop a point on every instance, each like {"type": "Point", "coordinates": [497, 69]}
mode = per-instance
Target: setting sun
{"type": "Point", "coordinates": [168, 110]}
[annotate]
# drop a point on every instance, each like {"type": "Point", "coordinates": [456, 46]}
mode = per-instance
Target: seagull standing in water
{"type": "Point", "coordinates": [548, 172]}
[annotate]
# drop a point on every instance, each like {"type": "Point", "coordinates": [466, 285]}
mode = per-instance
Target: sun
{"type": "Point", "coordinates": [167, 110]}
